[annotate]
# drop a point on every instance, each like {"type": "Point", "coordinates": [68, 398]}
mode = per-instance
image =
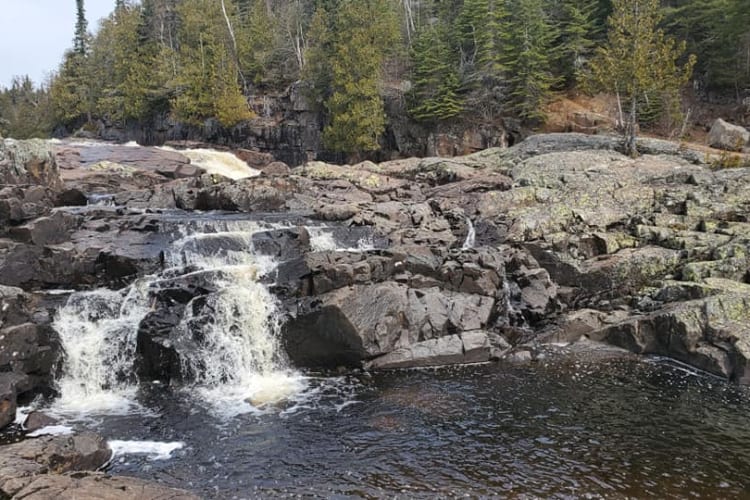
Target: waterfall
{"type": "Point", "coordinates": [471, 236]}
{"type": "Point", "coordinates": [239, 366]}
{"type": "Point", "coordinates": [217, 162]}
{"type": "Point", "coordinates": [98, 332]}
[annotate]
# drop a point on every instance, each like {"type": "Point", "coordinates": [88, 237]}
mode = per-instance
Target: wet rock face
{"type": "Point", "coordinates": [28, 349]}
{"type": "Point", "coordinates": [569, 238]}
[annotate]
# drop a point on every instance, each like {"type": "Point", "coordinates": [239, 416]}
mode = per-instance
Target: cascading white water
{"type": "Point", "coordinates": [471, 236]}
{"type": "Point", "coordinates": [217, 162]}
{"type": "Point", "coordinates": [238, 366]}
{"type": "Point", "coordinates": [323, 239]}
{"type": "Point", "coordinates": [98, 332]}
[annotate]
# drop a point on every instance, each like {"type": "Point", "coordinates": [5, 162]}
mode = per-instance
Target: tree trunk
{"type": "Point", "coordinates": [631, 149]}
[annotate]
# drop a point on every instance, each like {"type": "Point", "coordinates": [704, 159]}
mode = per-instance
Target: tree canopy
{"type": "Point", "coordinates": [470, 60]}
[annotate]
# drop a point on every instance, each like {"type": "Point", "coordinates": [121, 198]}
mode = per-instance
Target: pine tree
{"type": "Point", "coordinates": [207, 82]}
{"type": "Point", "coordinates": [718, 33]}
{"type": "Point", "coordinates": [71, 97]}
{"type": "Point", "coordinates": [638, 59]}
{"type": "Point", "coordinates": [256, 41]}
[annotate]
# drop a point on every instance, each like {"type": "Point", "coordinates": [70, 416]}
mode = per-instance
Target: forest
{"type": "Point", "coordinates": [448, 60]}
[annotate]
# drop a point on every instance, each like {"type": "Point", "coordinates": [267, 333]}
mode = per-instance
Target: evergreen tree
{"type": "Point", "coordinates": [528, 58]}
{"type": "Point", "coordinates": [579, 30]}
{"type": "Point", "coordinates": [318, 54]}
{"type": "Point", "coordinates": [81, 38]}
{"type": "Point", "coordinates": [638, 59]}
{"type": "Point", "coordinates": [256, 41]}
{"type": "Point", "coordinates": [207, 82]}
{"type": "Point", "coordinates": [24, 110]}
{"type": "Point", "coordinates": [71, 96]}
{"type": "Point", "coordinates": [718, 32]}
{"type": "Point", "coordinates": [365, 31]}
{"type": "Point", "coordinates": [435, 80]}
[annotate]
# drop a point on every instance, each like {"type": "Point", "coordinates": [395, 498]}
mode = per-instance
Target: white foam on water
{"type": "Point", "coordinates": [22, 412]}
{"type": "Point", "coordinates": [52, 430]}
{"type": "Point", "coordinates": [154, 450]}
{"type": "Point", "coordinates": [58, 292]}
{"type": "Point", "coordinates": [132, 144]}
{"type": "Point", "coordinates": [256, 393]}
{"type": "Point", "coordinates": [321, 240]}
{"type": "Point", "coordinates": [217, 162]}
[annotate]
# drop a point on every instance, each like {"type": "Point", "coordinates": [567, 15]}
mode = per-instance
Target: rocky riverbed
{"type": "Point", "coordinates": [408, 263]}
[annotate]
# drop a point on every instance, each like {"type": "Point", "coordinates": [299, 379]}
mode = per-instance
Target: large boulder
{"type": "Point", "coordinates": [353, 324]}
{"type": "Point", "coordinates": [28, 162]}
{"type": "Point", "coordinates": [726, 136]}
{"type": "Point", "coordinates": [22, 463]}
{"type": "Point", "coordinates": [709, 332]}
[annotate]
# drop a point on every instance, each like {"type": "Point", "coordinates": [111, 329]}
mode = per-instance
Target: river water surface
{"type": "Point", "coordinates": [560, 428]}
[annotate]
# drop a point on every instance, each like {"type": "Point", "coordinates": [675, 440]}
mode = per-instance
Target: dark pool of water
{"type": "Point", "coordinates": [563, 428]}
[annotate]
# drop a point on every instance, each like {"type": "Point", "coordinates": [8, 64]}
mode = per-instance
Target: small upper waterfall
{"type": "Point", "coordinates": [471, 235]}
{"type": "Point", "coordinates": [239, 364]}
{"type": "Point", "coordinates": [217, 162]}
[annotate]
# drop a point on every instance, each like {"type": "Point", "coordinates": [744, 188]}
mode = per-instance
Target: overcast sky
{"type": "Point", "coordinates": [34, 34]}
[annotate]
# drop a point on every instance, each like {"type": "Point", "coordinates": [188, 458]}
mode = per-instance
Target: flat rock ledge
{"type": "Point", "coordinates": [63, 467]}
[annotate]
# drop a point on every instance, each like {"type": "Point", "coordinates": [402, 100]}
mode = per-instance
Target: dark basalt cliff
{"type": "Point", "coordinates": [289, 127]}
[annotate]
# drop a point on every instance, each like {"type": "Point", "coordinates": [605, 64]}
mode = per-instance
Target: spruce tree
{"type": "Point", "coordinates": [71, 94]}
{"type": "Point", "coordinates": [638, 59]}
{"type": "Point", "coordinates": [579, 29]}
{"type": "Point", "coordinates": [529, 54]}
{"type": "Point", "coordinates": [436, 85]}
{"type": "Point", "coordinates": [207, 82]}
{"type": "Point", "coordinates": [81, 38]}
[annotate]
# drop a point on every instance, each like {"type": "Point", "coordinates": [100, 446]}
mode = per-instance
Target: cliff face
{"type": "Point", "coordinates": [289, 127]}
